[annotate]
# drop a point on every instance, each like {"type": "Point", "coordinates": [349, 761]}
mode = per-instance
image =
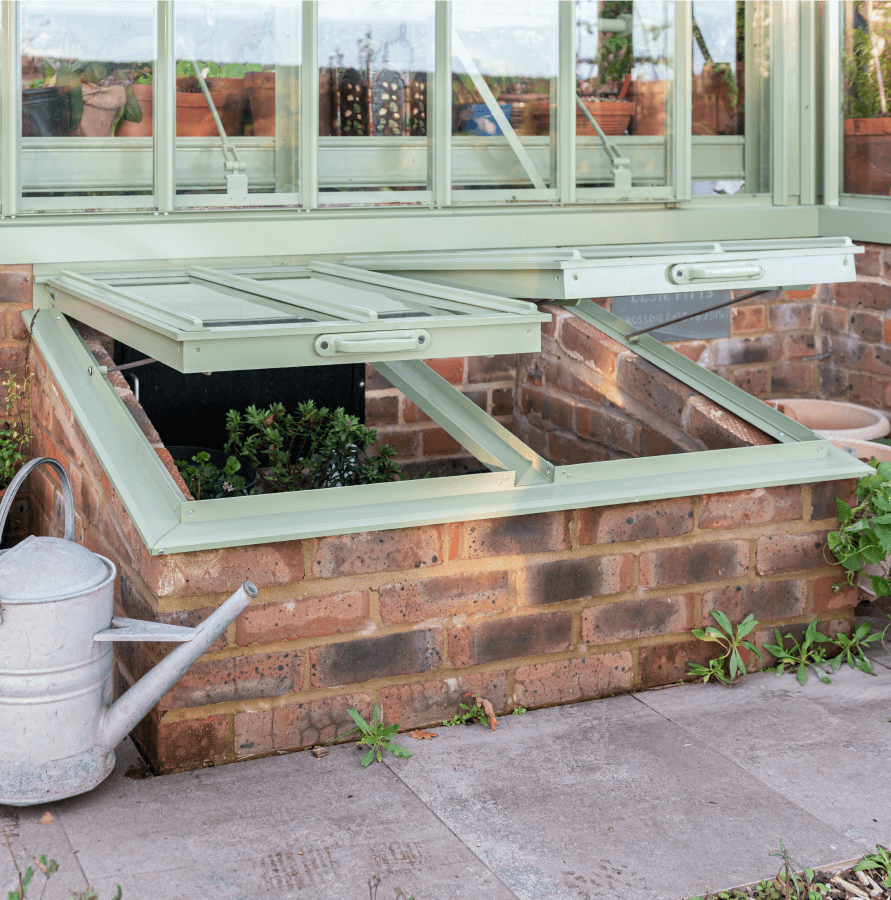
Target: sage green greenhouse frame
{"type": "Point", "coordinates": [804, 201]}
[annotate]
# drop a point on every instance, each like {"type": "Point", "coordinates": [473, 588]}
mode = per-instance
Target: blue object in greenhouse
{"type": "Point", "coordinates": [477, 119]}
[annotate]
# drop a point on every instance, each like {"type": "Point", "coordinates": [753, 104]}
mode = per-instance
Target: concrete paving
{"type": "Point", "coordinates": [662, 794]}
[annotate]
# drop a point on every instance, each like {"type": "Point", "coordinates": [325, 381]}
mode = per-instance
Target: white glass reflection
{"type": "Point", "coordinates": [80, 65]}
{"type": "Point", "coordinates": [376, 68]}
{"type": "Point", "coordinates": [504, 79]}
{"type": "Point", "coordinates": [625, 84]}
{"type": "Point", "coordinates": [237, 100]}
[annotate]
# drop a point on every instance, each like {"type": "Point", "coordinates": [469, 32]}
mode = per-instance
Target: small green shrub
{"type": "Point", "coordinates": [316, 448]}
{"type": "Point", "coordinates": [208, 482]}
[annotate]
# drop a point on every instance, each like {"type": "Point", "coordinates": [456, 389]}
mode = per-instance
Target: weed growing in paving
{"type": "Point", "coordinates": [801, 656]}
{"type": "Point", "coordinates": [480, 711]}
{"type": "Point", "coordinates": [729, 666]}
{"type": "Point", "coordinates": [376, 735]}
{"type": "Point", "coordinates": [880, 862]}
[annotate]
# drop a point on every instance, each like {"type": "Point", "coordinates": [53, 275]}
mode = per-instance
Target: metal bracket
{"type": "Point", "coordinates": [137, 630]}
{"type": "Point", "coordinates": [621, 164]}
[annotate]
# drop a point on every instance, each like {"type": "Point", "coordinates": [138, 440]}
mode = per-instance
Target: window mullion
{"type": "Point", "coordinates": [10, 110]}
{"type": "Point", "coordinates": [164, 107]}
{"type": "Point", "coordinates": [309, 107]}
{"type": "Point", "coordinates": [779, 89]}
{"type": "Point", "coordinates": [566, 91]}
{"type": "Point", "coordinates": [808, 105]}
{"type": "Point", "coordinates": [682, 101]}
{"type": "Point", "coordinates": [832, 124]}
{"type": "Point", "coordinates": [441, 125]}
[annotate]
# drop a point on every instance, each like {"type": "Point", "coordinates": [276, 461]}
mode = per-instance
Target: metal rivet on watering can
{"type": "Point", "coordinates": [58, 725]}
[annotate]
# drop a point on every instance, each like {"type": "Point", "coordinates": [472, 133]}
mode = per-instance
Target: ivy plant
{"type": "Point", "coordinates": [14, 434]}
{"type": "Point", "coordinates": [864, 532]}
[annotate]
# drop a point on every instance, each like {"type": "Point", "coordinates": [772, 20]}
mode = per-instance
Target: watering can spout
{"type": "Point", "coordinates": [120, 718]}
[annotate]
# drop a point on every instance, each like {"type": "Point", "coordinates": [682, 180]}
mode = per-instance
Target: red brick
{"type": "Point", "coordinates": [868, 326]}
{"type": "Point", "coordinates": [381, 410]}
{"type": "Point", "coordinates": [502, 402]}
{"type": "Point", "coordinates": [824, 494]}
{"type": "Point", "coordinates": [317, 721]}
{"type": "Point", "coordinates": [887, 322]}
{"type": "Point", "coordinates": [766, 601]}
{"type": "Point", "coordinates": [450, 369]}
{"type": "Point", "coordinates": [437, 442]}
{"type": "Point", "coordinates": [536, 533]}
{"type": "Point", "coordinates": [222, 571]}
{"type": "Point", "coordinates": [747, 318]}
{"type": "Point", "coordinates": [664, 395]}
{"type": "Point", "coordinates": [807, 294]}
{"type": "Point", "coordinates": [827, 600]}
{"type": "Point", "coordinates": [16, 285]}
{"type": "Point", "coordinates": [832, 320]}
{"type": "Point", "coordinates": [554, 410]}
{"type": "Point", "coordinates": [590, 345]}
{"type": "Point", "coordinates": [432, 702]}
{"type": "Point", "coordinates": [571, 579]}
{"type": "Point", "coordinates": [743, 351]}
{"type": "Point", "coordinates": [404, 441]}
{"type": "Point", "coordinates": [288, 620]}
{"type": "Point", "coordinates": [865, 294]}
{"type": "Point", "coordinates": [560, 377]}
{"type": "Point", "coordinates": [790, 552]}
{"type": "Point", "coordinates": [377, 551]}
{"type": "Point", "coordinates": [851, 386]}
{"type": "Point", "coordinates": [755, 381]}
{"type": "Point", "coordinates": [636, 522]}
{"type": "Point", "coordinates": [753, 507]}
{"type": "Point", "coordinates": [411, 413]}
{"type": "Point", "coordinates": [877, 359]}
{"type": "Point", "coordinates": [253, 733]}
{"type": "Point", "coordinates": [237, 678]}
{"type": "Point", "coordinates": [476, 593]}
{"type": "Point", "coordinates": [718, 429]}
{"type": "Point", "coordinates": [382, 656]}
{"type": "Point", "coordinates": [694, 564]}
{"type": "Point", "coordinates": [636, 618]}
{"type": "Point", "coordinates": [668, 663]}
{"type": "Point", "coordinates": [491, 368]}
{"type": "Point", "coordinates": [484, 642]}
{"type": "Point", "coordinates": [565, 449]}
{"type": "Point", "coordinates": [572, 679]}
{"type": "Point", "coordinates": [654, 443]}
{"type": "Point", "coordinates": [185, 618]}
{"type": "Point", "coordinates": [613, 429]}
{"type": "Point", "coordinates": [695, 351]}
{"type": "Point", "coordinates": [791, 316]}
{"type": "Point", "coordinates": [190, 744]}
{"type": "Point", "coordinates": [792, 380]}
{"type": "Point", "coordinates": [869, 262]}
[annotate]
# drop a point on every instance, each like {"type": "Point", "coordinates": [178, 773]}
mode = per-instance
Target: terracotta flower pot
{"type": "Point", "coordinates": [101, 105]}
{"type": "Point", "coordinates": [143, 128]}
{"type": "Point", "coordinates": [834, 419]}
{"type": "Point", "coordinates": [261, 96]}
{"type": "Point", "coordinates": [867, 156]}
{"type": "Point", "coordinates": [193, 115]}
{"type": "Point", "coordinates": [613, 116]}
{"type": "Point", "coordinates": [236, 102]}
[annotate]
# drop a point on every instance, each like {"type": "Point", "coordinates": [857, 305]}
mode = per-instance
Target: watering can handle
{"type": "Point", "coordinates": [22, 474]}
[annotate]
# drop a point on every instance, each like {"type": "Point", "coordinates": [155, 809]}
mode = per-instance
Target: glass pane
{"type": "Point", "coordinates": [82, 123]}
{"type": "Point", "coordinates": [731, 97]}
{"type": "Point", "coordinates": [625, 82]}
{"type": "Point", "coordinates": [866, 70]}
{"type": "Point", "coordinates": [376, 62]}
{"type": "Point", "coordinates": [504, 83]}
{"type": "Point", "coordinates": [242, 62]}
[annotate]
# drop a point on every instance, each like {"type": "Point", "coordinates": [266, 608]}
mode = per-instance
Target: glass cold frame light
{"type": "Point", "coordinates": [249, 57]}
{"type": "Point", "coordinates": [376, 81]}
{"type": "Point", "coordinates": [504, 79]}
{"type": "Point", "coordinates": [625, 80]}
{"type": "Point", "coordinates": [866, 70]}
{"type": "Point", "coordinates": [80, 66]}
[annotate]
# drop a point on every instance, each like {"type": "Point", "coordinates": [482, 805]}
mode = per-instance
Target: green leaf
{"type": "Point", "coordinates": [801, 675]}
{"type": "Point", "coordinates": [398, 750]}
{"type": "Point", "coordinates": [722, 620]}
{"type": "Point", "coordinates": [363, 726]}
{"type": "Point", "coordinates": [844, 511]}
{"type": "Point", "coordinates": [366, 760]}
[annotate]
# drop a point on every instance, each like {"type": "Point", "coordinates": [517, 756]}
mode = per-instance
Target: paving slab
{"type": "Point", "coordinates": [608, 798]}
{"type": "Point", "coordinates": [287, 826]}
{"type": "Point", "coordinates": [825, 748]}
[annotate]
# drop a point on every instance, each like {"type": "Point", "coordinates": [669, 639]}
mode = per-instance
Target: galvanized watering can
{"type": "Point", "coordinates": [58, 725]}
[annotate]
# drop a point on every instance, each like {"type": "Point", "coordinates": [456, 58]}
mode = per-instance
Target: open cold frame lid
{"type": "Point", "coordinates": [199, 319]}
{"type": "Point", "coordinates": [568, 274]}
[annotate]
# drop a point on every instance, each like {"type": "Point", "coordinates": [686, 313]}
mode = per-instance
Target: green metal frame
{"type": "Point", "coordinates": [522, 482]}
